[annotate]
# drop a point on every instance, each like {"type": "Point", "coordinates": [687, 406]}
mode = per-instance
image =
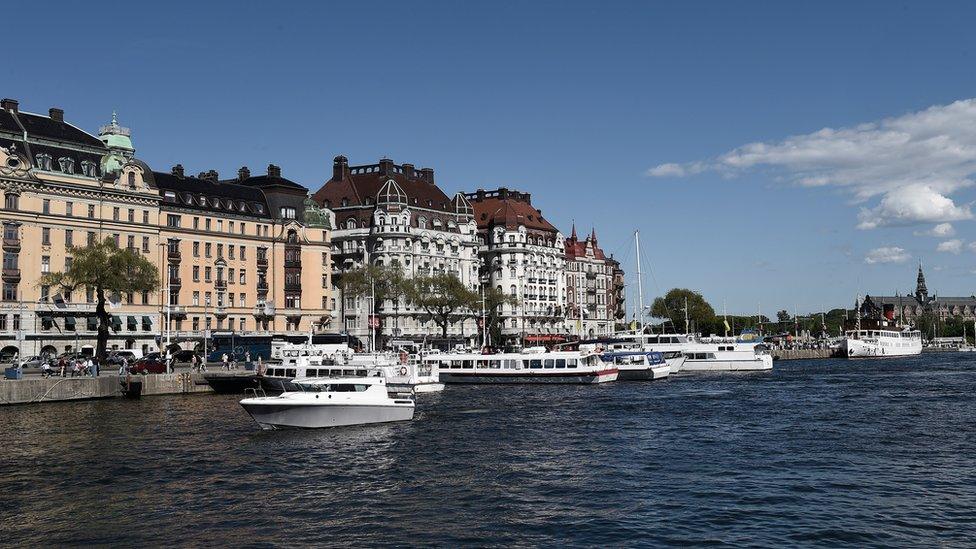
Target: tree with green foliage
{"type": "Point", "coordinates": [382, 282]}
{"type": "Point", "coordinates": [443, 298]}
{"type": "Point", "coordinates": [495, 299]}
{"type": "Point", "coordinates": [109, 271]}
{"type": "Point", "coordinates": [701, 315]}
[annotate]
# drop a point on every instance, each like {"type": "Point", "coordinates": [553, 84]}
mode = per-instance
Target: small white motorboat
{"type": "Point", "coordinates": [324, 402]}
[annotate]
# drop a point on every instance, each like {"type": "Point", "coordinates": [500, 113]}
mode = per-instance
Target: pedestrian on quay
{"type": "Point", "coordinates": [226, 360]}
{"type": "Point", "coordinates": [260, 366]}
{"type": "Point", "coordinates": [125, 367]}
{"type": "Point", "coordinates": [247, 359]}
{"type": "Point", "coordinates": [194, 363]}
{"type": "Point", "coordinates": [62, 365]}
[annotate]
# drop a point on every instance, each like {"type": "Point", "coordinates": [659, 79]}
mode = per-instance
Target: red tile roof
{"type": "Point", "coordinates": [507, 208]}
{"type": "Point", "coordinates": [577, 248]}
{"type": "Point", "coordinates": [359, 185]}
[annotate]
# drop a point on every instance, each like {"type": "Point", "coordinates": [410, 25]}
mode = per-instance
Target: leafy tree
{"type": "Point", "coordinates": [672, 307]}
{"type": "Point", "coordinates": [784, 316]}
{"type": "Point", "coordinates": [495, 299]}
{"type": "Point", "coordinates": [108, 270]}
{"type": "Point", "coordinates": [383, 282]}
{"type": "Point", "coordinates": [443, 298]}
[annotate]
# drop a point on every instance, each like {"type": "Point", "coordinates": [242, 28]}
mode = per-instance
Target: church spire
{"type": "Point", "coordinates": [573, 236]}
{"type": "Point", "coordinates": [921, 292]}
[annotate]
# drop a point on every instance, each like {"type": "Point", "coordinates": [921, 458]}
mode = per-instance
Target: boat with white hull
{"type": "Point", "coordinates": [881, 343]}
{"type": "Point", "coordinates": [563, 367]}
{"type": "Point", "coordinates": [322, 403]}
{"type": "Point", "coordinates": [638, 365]}
{"type": "Point", "coordinates": [688, 353]}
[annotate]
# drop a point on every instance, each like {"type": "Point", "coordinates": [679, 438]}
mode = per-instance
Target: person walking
{"type": "Point", "coordinates": [226, 360]}
{"type": "Point", "coordinates": [194, 363]}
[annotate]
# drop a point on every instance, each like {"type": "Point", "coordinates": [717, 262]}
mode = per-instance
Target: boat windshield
{"type": "Point", "coordinates": [332, 387]}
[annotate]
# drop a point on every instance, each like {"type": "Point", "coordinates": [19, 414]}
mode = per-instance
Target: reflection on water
{"type": "Point", "coordinates": [815, 453]}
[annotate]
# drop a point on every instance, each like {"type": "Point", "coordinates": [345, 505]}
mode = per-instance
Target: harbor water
{"type": "Point", "coordinates": [815, 453]}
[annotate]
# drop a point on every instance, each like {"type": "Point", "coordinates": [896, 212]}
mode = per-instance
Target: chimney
{"type": "Point", "coordinates": [408, 170]}
{"type": "Point", "coordinates": [178, 171]}
{"type": "Point", "coordinates": [386, 166]}
{"type": "Point", "coordinates": [528, 198]}
{"type": "Point", "coordinates": [427, 174]}
{"type": "Point", "coordinates": [243, 173]}
{"type": "Point", "coordinates": [480, 193]}
{"type": "Point", "coordinates": [503, 193]}
{"type": "Point", "coordinates": [56, 114]}
{"type": "Point", "coordinates": [8, 104]}
{"type": "Point", "coordinates": [339, 166]}
{"type": "Point", "coordinates": [274, 171]}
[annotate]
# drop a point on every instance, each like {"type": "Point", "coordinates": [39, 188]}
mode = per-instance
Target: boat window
{"type": "Point", "coordinates": [361, 373]}
{"type": "Point", "coordinates": [347, 388]}
{"type": "Point", "coordinates": [290, 372]}
{"type": "Point", "coordinates": [560, 363]}
{"type": "Point", "coordinates": [455, 364]}
{"type": "Point", "coordinates": [571, 362]}
{"type": "Point", "coordinates": [495, 364]}
{"type": "Point", "coordinates": [511, 363]}
{"type": "Point", "coordinates": [467, 364]}
{"type": "Point", "coordinates": [482, 364]}
{"type": "Point", "coordinates": [525, 363]}
{"type": "Point", "coordinates": [549, 363]}
{"type": "Point", "coordinates": [535, 363]}
{"type": "Point", "coordinates": [311, 373]}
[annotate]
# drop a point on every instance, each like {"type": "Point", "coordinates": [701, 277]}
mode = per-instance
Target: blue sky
{"type": "Point", "coordinates": [614, 114]}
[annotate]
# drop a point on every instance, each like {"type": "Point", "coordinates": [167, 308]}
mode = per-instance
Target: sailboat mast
{"type": "Point", "coordinates": [640, 283]}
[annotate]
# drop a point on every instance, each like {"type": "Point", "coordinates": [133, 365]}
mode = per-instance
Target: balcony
{"type": "Point", "coordinates": [175, 282]}
{"type": "Point", "coordinates": [173, 254]}
{"type": "Point", "coordinates": [175, 311]}
{"type": "Point", "coordinates": [11, 275]}
{"type": "Point", "coordinates": [262, 285]}
{"type": "Point", "coordinates": [11, 244]}
{"type": "Point", "coordinates": [293, 286]}
{"type": "Point", "coordinates": [220, 311]}
{"type": "Point", "coordinates": [220, 284]}
{"type": "Point", "coordinates": [262, 262]}
{"type": "Point", "coordinates": [264, 311]}
{"type": "Point", "coordinates": [293, 263]}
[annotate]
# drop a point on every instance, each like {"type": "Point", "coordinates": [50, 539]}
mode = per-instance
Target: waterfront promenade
{"type": "Point", "coordinates": [35, 389]}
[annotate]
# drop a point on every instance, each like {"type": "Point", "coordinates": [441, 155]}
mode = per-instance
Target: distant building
{"type": "Point", "coordinates": [391, 214]}
{"type": "Point", "coordinates": [592, 302]}
{"type": "Point", "coordinates": [915, 304]}
{"type": "Point", "coordinates": [523, 255]}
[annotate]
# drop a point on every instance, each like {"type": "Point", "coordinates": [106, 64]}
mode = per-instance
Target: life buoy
{"type": "Point", "coordinates": [403, 370]}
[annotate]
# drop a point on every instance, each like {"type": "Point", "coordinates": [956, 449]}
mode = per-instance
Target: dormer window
{"type": "Point", "coordinates": [345, 201]}
{"type": "Point", "coordinates": [202, 200]}
{"type": "Point", "coordinates": [259, 208]}
{"type": "Point", "coordinates": [422, 223]}
{"type": "Point", "coordinates": [287, 212]}
{"type": "Point", "coordinates": [67, 164]}
{"type": "Point", "coordinates": [43, 161]}
{"type": "Point", "coordinates": [131, 178]}
{"type": "Point", "coordinates": [169, 195]}
{"type": "Point", "coordinates": [351, 224]}
{"type": "Point", "coordinates": [437, 223]}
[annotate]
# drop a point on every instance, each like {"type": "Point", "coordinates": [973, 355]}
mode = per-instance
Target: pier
{"type": "Point", "coordinates": [59, 389]}
{"type": "Point", "coordinates": [802, 354]}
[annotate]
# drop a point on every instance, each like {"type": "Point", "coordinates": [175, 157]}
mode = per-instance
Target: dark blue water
{"type": "Point", "coordinates": [817, 453]}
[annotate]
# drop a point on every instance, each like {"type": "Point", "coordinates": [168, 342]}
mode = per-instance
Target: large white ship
{"type": "Point", "coordinates": [881, 342]}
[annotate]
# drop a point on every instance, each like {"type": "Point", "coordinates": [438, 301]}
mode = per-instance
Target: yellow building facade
{"type": "Point", "coordinates": [243, 256]}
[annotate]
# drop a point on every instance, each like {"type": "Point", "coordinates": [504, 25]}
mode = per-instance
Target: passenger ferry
{"type": "Point", "coordinates": [879, 342]}
{"type": "Point", "coordinates": [688, 353]}
{"type": "Point", "coordinates": [403, 372]}
{"type": "Point", "coordinates": [526, 367]}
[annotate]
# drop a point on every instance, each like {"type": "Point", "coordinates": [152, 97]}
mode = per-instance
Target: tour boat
{"type": "Point", "coordinates": [881, 342]}
{"type": "Point", "coordinates": [403, 372]}
{"type": "Point", "coordinates": [720, 354]}
{"type": "Point", "coordinates": [322, 402]}
{"type": "Point", "coordinates": [638, 365]}
{"type": "Point", "coordinates": [526, 367]}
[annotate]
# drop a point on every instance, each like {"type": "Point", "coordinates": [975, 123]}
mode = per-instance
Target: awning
{"type": "Point", "coordinates": [116, 323]}
{"type": "Point", "coordinates": [132, 323]}
{"type": "Point", "coordinates": [69, 323]}
{"type": "Point", "coordinates": [146, 323]}
{"type": "Point", "coordinates": [540, 338]}
{"type": "Point", "coordinates": [92, 323]}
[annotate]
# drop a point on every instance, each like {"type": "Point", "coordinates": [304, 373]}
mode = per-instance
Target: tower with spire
{"type": "Point", "coordinates": [921, 292]}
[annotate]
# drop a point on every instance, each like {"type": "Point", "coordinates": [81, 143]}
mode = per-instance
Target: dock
{"type": "Point", "coordinates": [60, 389]}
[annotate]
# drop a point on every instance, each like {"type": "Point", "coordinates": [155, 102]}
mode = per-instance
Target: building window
{"type": "Point", "coordinates": [115, 239]}
{"type": "Point", "coordinates": [196, 273]}
{"type": "Point", "coordinates": [43, 161]}
{"type": "Point", "coordinates": [45, 263]}
{"type": "Point", "coordinates": [230, 251]}
{"type": "Point", "coordinates": [46, 206]}
{"type": "Point", "coordinates": [206, 249]}
{"type": "Point", "coordinates": [91, 211]}
{"type": "Point", "coordinates": [132, 214]}
{"type": "Point", "coordinates": [172, 220]}
{"type": "Point", "coordinates": [115, 214]}
{"type": "Point", "coordinates": [196, 249]}
{"type": "Point", "coordinates": [89, 168]}
{"type": "Point", "coordinates": [207, 274]}
{"type": "Point", "coordinates": [243, 299]}
{"type": "Point", "coordinates": [145, 217]}
{"type": "Point", "coordinates": [10, 294]}
{"type": "Point", "coordinates": [207, 223]}
{"type": "Point", "coordinates": [196, 223]}
{"type": "Point", "coordinates": [91, 238]}
{"type": "Point", "coordinates": [196, 298]}
{"type": "Point", "coordinates": [130, 242]}
{"type": "Point", "coordinates": [145, 244]}
{"type": "Point", "coordinates": [46, 236]}
{"type": "Point", "coordinates": [11, 201]}
{"type": "Point", "coordinates": [243, 278]}
{"type": "Point", "coordinates": [131, 180]}
{"type": "Point", "coordinates": [230, 275]}
{"type": "Point", "coordinates": [287, 212]}
{"type": "Point", "coordinates": [69, 238]}
{"type": "Point", "coordinates": [220, 250]}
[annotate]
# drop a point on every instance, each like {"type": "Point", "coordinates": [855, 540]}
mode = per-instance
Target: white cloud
{"type": "Point", "coordinates": [887, 254]}
{"type": "Point", "coordinates": [913, 162]}
{"type": "Point", "coordinates": [972, 246]}
{"type": "Point", "coordinates": [942, 230]}
{"type": "Point", "coordinates": [953, 246]}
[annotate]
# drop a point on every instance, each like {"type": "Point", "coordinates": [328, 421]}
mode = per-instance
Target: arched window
{"type": "Point", "coordinates": [351, 224]}
{"type": "Point", "coordinates": [132, 180]}
{"type": "Point", "coordinates": [292, 237]}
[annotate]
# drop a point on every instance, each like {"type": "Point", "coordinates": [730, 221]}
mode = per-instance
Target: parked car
{"type": "Point", "coordinates": [36, 361]}
{"type": "Point", "coordinates": [155, 355]}
{"type": "Point", "coordinates": [115, 357]}
{"type": "Point", "coordinates": [148, 366]}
